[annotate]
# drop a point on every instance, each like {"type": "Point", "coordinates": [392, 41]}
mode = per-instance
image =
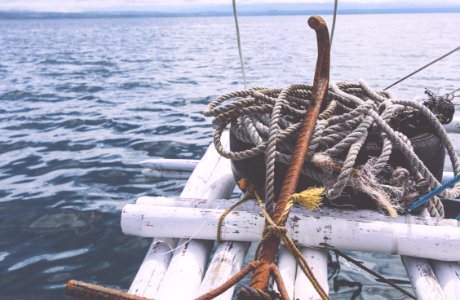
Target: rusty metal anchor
{"type": "Point", "coordinates": [261, 275]}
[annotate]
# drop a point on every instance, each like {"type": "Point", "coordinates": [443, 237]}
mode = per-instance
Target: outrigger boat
{"type": "Point", "coordinates": [184, 260]}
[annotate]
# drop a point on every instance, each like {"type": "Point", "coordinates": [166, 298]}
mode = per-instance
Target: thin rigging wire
{"type": "Point", "coordinates": [425, 66]}
{"type": "Point", "coordinates": [336, 4]}
{"type": "Point", "coordinates": [362, 266]}
{"type": "Point", "coordinates": [240, 52]}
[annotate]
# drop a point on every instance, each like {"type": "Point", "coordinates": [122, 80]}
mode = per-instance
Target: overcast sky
{"type": "Point", "coordinates": [159, 5]}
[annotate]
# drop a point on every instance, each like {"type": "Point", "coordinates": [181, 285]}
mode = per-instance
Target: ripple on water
{"type": "Point", "coordinates": [16, 95]}
{"type": "Point", "coordinates": [3, 255]}
{"type": "Point", "coordinates": [77, 62]}
{"type": "Point", "coordinates": [135, 85]}
{"type": "Point", "coordinates": [79, 88]}
{"type": "Point", "coordinates": [47, 257]}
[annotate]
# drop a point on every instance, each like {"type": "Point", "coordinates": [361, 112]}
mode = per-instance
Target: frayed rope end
{"type": "Point", "coordinates": [310, 198]}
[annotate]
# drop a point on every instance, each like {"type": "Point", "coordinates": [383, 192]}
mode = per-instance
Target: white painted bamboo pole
{"type": "Point", "coordinates": [249, 205]}
{"type": "Point", "coordinates": [181, 175]}
{"type": "Point", "coordinates": [422, 278]}
{"type": "Point", "coordinates": [448, 275]}
{"type": "Point", "coordinates": [165, 164]}
{"type": "Point", "coordinates": [185, 273]}
{"type": "Point", "coordinates": [198, 186]}
{"type": "Point", "coordinates": [228, 257]}
{"type": "Point", "coordinates": [454, 126]}
{"type": "Point", "coordinates": [287, 266]}
{"type": "Point", "coordinates": [253, 207]}
{"type": "Point", "coordinates": [174, 201]}
{"type": "Point", "coordinates": [216, 272]}
{"type": "Point", "coordinates": [312, 229]}
{"type": "Point", "coordinates": [181, 168]}
{"type": "Point", "coordinates": [161, 174]}
{"type": "Point", "coordinates": [317, 260]}
{"type": "Point", "coordinates": [226, 261]}
{"type": "Point", "coordinates": [154, 266]}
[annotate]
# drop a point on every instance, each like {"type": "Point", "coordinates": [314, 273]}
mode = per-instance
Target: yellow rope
{"type": "Point", "coordinates": [245, 198]}
{"type": "Point", "coordinates": [310, 199]}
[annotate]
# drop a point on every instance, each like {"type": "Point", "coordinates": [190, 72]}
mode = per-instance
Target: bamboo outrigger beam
{"type": "Point", "coordinates": [326, 228]}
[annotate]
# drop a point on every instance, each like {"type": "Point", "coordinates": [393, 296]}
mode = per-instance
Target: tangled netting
{"type": "Point", "coordinates": [270, 120]}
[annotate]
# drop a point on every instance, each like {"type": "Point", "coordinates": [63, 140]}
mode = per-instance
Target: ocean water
{"type": "Point", "coordinates": [83, 101]}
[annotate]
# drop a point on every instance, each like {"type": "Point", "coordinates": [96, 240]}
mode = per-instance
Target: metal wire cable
{"type": "Point", "coordinates": [238, 39]}
{"type": "Point", "coordinates": [383, 279]}
{"type": "Point", "coordinates": [424, 67]}
{"type": "Point", "coordinates": [336, 4]}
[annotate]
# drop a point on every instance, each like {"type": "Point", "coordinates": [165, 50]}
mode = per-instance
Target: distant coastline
{"type": "Point", "coordinates": [80, 15]}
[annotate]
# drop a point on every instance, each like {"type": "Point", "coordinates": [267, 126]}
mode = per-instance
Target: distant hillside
{"type": "Point", "coordinates": [245, 10]}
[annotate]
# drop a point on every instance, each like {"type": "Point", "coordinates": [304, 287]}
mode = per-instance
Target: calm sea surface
{"type": "Point", "coordinates": [83, 101]}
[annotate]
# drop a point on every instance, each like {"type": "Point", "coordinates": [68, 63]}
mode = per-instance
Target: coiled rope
{"type": "Point", "coordinates": [270, 119]}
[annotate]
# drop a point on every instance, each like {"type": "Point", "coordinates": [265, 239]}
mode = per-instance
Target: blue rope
{"type": "Point", "coordinates": [422, 200]}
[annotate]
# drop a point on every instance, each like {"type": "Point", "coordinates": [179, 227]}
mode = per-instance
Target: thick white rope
{"type": "Point", "coordinates": [270, 119]}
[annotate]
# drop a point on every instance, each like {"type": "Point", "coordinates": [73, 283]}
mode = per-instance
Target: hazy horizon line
{"type": "Point", "coordinates": [17, 14]}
